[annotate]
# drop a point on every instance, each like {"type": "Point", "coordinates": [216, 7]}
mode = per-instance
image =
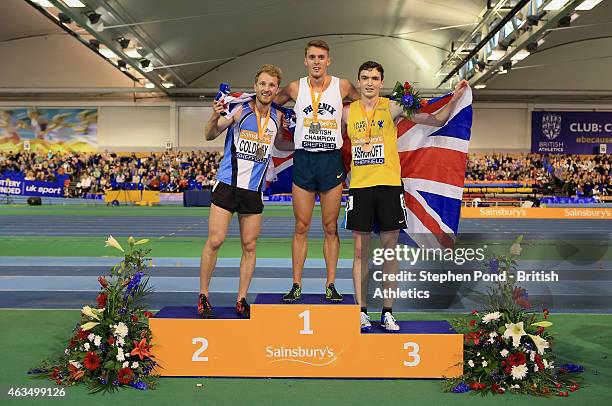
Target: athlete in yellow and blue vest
{"type": "Point", "coordinates": [376, 193]}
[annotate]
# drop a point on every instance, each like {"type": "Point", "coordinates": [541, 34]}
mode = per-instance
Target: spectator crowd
{"type": "Point", "coordinates": [83, 173]}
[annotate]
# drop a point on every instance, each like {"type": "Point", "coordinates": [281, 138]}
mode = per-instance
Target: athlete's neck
{"type": "Point", "coordinates": [317, 83]}
{"type": "Point", "coordinates": [369, 102]}
{"type": "Point", "coordinates": [261, 108]}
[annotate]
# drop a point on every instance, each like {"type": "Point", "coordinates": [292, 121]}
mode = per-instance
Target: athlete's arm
{"type": "Point", "coordinates": [345, 117]}
{"type": "Point", "coordinates": [280, 142]}
{"type": "Point", "coordinates": [348, 91]}
{"type": "Point", "coordinates": [434, 120]}
{"type": "Point", "coordinates": [289, 92]}
{"type": "Point", "coordinates": [218, 123]}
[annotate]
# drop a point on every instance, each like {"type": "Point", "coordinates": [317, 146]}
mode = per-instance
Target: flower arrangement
{"type": "Point", "coordinates": [111, 345]}
{"type": "Point", "coordinates": [408, 97]}
{"type": "Point", "coordinates": [507, 346]}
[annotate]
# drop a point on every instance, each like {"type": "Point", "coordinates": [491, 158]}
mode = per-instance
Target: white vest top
{"type": "Point", "coordinates": [329, 137]}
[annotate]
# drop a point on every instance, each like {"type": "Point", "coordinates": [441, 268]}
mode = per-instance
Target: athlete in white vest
{"type": "Point", "coordinates": [317, 162]}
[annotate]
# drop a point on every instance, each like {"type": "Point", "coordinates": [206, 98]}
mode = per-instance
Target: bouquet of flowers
{"type": "Point", "coordinates": [507, 346]}
{"type": "Point", "coordinates": [408, 97]}
{"type": "Point", "coordinates": [111, 345]}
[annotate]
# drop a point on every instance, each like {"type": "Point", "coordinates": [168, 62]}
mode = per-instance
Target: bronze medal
{"type": "Point", "coordinates": [260, 153]}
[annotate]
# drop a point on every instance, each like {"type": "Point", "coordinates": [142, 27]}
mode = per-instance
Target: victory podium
{"type": "Point", "coordinates": [311, 338]}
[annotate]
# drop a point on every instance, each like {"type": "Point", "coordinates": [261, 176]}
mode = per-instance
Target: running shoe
{"type": "Point", "coordinates": [243, 308]}
{"type": "Point", "coordinates": [205, 310]}
{"type": "Point", "coordinates": [388, 323]}
{"type": "Point", "coordinates": [294, 294]}
{"type": "Point", "coordinates": [332, 294]}
{"type": "Point", "coordinates": [365, 322]}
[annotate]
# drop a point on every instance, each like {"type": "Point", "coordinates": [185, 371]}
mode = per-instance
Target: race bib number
{"type": "Point", "coordinates": [374, 157]}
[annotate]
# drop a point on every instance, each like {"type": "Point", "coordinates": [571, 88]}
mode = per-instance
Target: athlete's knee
{"type": "Point", "coordinates": [330, 228]}
{"type": "Point", "coordinates": [214, 242]}
{"type": "Point", "coordinates": [302, 227]}
{"type": "Point", "coordinates": [249, 247]}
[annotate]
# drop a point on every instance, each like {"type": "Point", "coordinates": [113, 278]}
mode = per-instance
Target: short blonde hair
{"type": "Point", "coordinates": [317, 43]}
{"type": "Point", "coordinates": [271, 70]}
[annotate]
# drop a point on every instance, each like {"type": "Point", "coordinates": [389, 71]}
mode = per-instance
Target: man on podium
{"type": "Point", "coordinates": [376, 194]}
{"type": "Point", "coordinates": [251, 129]}
{"type": "Point", "coordinates": [317, 161]}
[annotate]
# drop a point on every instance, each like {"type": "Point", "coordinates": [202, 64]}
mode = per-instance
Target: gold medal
{"type": "Point", "coordinates": [367, 147]}
{"type": "Point", "coordinates": [315, 126]}
{"type": "Point", "coordinates": [259, 153]}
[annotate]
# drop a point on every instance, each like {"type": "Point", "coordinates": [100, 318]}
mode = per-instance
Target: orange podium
{"type": "Point", "coordinates": [307, 339]}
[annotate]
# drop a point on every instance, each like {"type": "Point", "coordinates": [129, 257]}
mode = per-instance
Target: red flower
{"type": "Point", "coordinates": [141, 349]}
{"type": "Point", "coordinates": [407, 86]}
{"type": "Point", "coordinates": [501, 391]}
{"type": "Point", "coordinates": [148, 314]}
{"type": "Point", "coordinates": [474, 312]}
{"type": "Point", "coordinates": [472, 323]}
{"type": "Point", "coordinates": [558, 385]}
{"type": "Point", "coordinates": [517, 359]}
{"type": "Point", "coordinates": [101, 299]}
{"type": "Point", "coordinates": [539, 331]}
{"type": "Point", "coordinates": [58, 381]}
{"type": "Point", "coordinates": [473, 336]}
{"type": "Point", "coordinates": [103, 282]}
{"type": "Point", "coordinates": [495, 387]}
{"type": "Point", "coordinates": [574, 387]}
{"type": "Point", "coordinates": [81, 334]}
{"type": "Point", "coordinates": [546, 313]}
{"type": "Point", "coordinates": [111, 340]}
{"type": "Point", "coordinates": [503, 363]}
{"type": "Point", "coordinates": [75, 373]}
{"type": "Point", "coordinates": [55, 373]}
{"type": "Point", "coordinates": [126, 375]}
{"type": "Point", "coordinates": [507, 370]}
{"type": "Point", "coordinates": [538, 361]}
{"type": "Point", "coordinates": [478, 386]}
{"type": "Point", "coordinates": [92, 361]}
{"type": "Point", "coordinates": [134, 318]}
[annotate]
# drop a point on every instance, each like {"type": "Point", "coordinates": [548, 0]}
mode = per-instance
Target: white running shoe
{"type": "Point", "coordinates": [365, 322]}
{"type": "Point", "coordinates": [389, 323]}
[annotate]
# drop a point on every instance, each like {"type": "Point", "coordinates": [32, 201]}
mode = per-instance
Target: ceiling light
{"type": "Point", "coordinates": [481, 86]}
{"type": "Point", "coordinates": [168, 85]}
{"type": "Point", "coordinates": [555, 5]}
{"type": "Point", "coordinates": [43, 3]}
{"type": "Point", "coordinates": [108, 53]}
{"type": "Point", "coordinates": [149, 85]}
{"type": "Point", "coordinates": [73, 3]}
{"type": "Point", "coordinates": [122, 65]}
{"type": "Point", "coordinates": [588, 4]}
{"type": "Point", "coordinates": [496, 55]}
{"type": "Point", "coordinates": [95, 21]}
{"type": "Point", "coordinates": [132, 53]}
{"type": "Point", "coordinates": [520, 55]}
{"type": "Point", "coordinates": [123, 42]}
{"type": "Point", "coordinates": [94, 43]}
{"type": "Point", "coordinates": [146, 65]}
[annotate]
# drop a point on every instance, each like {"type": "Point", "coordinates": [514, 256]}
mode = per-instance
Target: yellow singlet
{"type": "Point", "coordinates": [380, 166]}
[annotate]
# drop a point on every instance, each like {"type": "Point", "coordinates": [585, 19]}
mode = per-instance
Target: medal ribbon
{"type": "Point", "coordinates": [368, 119]}
{"type": "Point", "coordinates": [260, 133]}
{"type": "Point", "coordinates": [315, 101]}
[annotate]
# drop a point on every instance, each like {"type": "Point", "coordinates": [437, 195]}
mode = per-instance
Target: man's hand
{"type": "Point", "coordinates": [218, 108]}
{"type": "Point", "coordinates": [459, 90]}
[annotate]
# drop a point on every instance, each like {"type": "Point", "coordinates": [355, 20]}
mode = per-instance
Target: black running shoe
{"type": "Point", "coordinates": [205, 310]}
{"type": "Point", "coordinates": [294, 294]}
{"type": "Point", "coordinates": [332, 294]}
{"type": "Point", "coordinates": [243, 308]}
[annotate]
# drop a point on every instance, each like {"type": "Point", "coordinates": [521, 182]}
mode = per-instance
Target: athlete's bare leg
{"type": "Point", "coordinates": [303, 205]}
{"type": "Point", "coordinates": [330, 207]}
{"type": "Point", "coordinates": [388, 240]}
{"type": "Point", "coordinates": [249, 232]}
{"type": "Point", "coordinates": [360, 266]}
{"type": "Point", "coordinates": [218, 222]}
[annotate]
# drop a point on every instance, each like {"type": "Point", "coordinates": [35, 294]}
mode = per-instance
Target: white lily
{"type": "Point", "coordinates": [516, 249]}
{"type": "Point", "coordinates": [516, 331]}
{"type": "Point", "coordinates": [92, 313]}
{"type": "Point", "coordinates": [540, 343]}
{"type": "Point", "coordinates": [111, 242]}
{"type": "Point", "coordinates": [143, 241]}
{"type": "Point", "coordinates": [89, 326]}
